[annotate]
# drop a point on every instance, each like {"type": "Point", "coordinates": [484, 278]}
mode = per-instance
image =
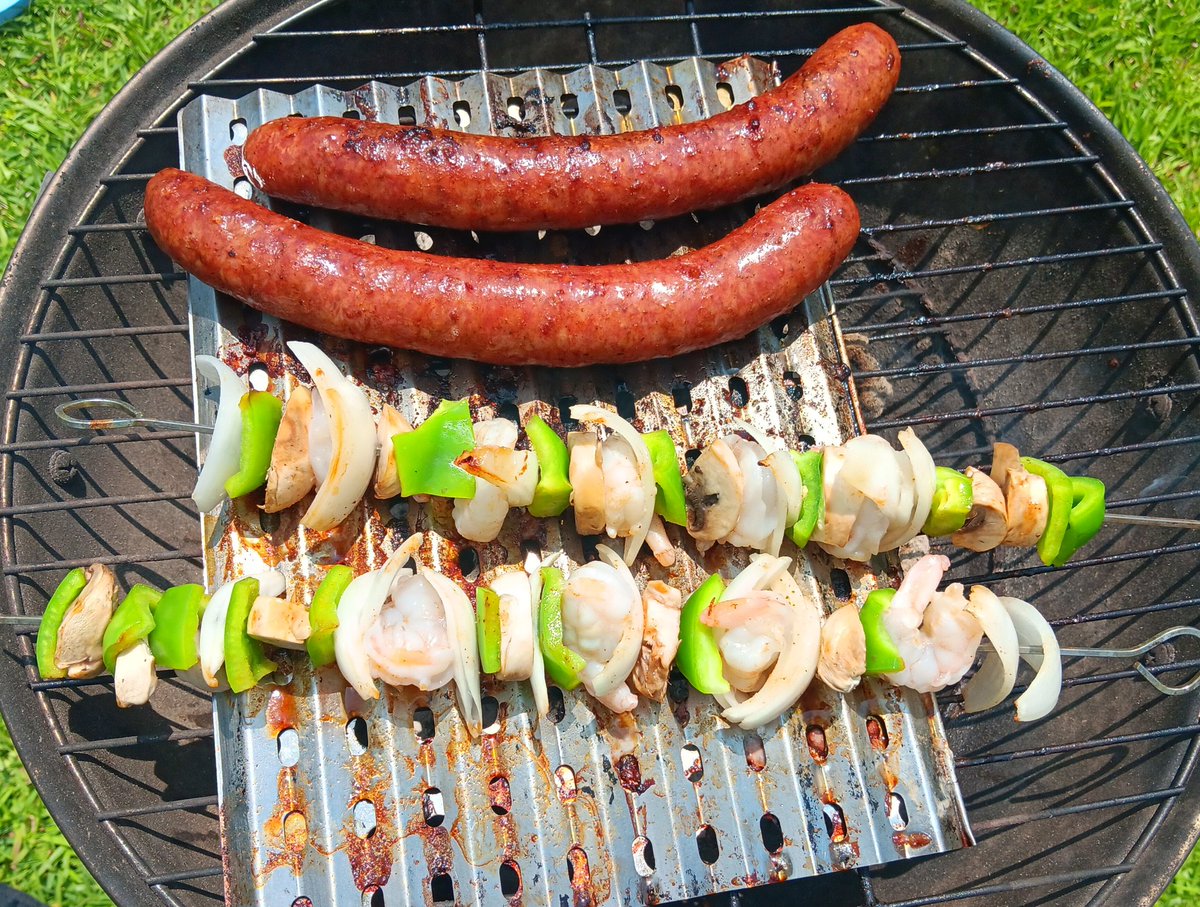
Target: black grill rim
{"type": "Point", "coordinates": [203, 48]}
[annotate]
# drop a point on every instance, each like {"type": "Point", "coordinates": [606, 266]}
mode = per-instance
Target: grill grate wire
{"type": "Point", "coordinates": [29, 430]}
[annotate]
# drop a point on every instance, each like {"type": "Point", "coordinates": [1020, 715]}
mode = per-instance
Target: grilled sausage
{"type": "Point", "coordinates": [511, 314]}
{"type": "Point", "coordinates": [483, 182]}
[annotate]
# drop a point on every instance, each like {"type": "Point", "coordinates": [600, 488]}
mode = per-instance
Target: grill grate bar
{"type": "Point", "coordinates": [1153, 796]}
{"type": "Point", "coordinates": [1126, 612]}
{"type": "Point", "coordinates": [105, 333]}
{"type": "Point", "coordinates": [204, 85]}
{"type": "Point", "coordinates": [151, 131]}
{"type": "Point", "coordinates": [151, 809]}
{"type": "Point", "coordinates": [577, 22]}
{"type": "Point", "coordinates": [1156, 499]}
{"type": "Point", "coordinates": [112, 743]}
{"type": "Point", "coordinates": [84, 503]}
{"type": "Point", "coordinates": [998, 216]}
{"type": "Point", "coordinates": [184, 875]}
{"type": "Point", "coordinates": [916, 371]}
{"type": "Point", "coordinates": [1028, 261]}
{"type": "Point", "coordinates": [955, 415]}
{"type": "Point", "coordinates": [973, 170]}
{"type": "Point", "coordinates": [98, 440]}
{"type": "Point", "coordinates": [1120, 449]}
{"type": "Point", "coordinates": [150, 557]}
{"type": "Point", "coordinates": [933, 324]}
{"type": "Point", "coordinates": [1079, 745]}
{"type": "Point", "coordinates": [103, 387]}
{"type": "Point", "coordinates": [1081, 562]}
{"type": "Point", "coordinates": [961, 131]}
{"type": "Point", "coordinates": [1059, 878]}
{"type": "Point", "coordinates": [103, 280]}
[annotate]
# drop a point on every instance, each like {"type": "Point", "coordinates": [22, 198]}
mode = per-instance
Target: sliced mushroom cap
{"type": "Point", "coordinates": [713, 488]}
{"type": "Point", "coordinates": [987, 523]}
{"type": "Point", "coordinates": [661, 605]}
{"type": "Point", "coordinates": [134, 677]}
{"type": "Point", "coordinates": [278, 622]}
{"type": "Point", "coordinates": [587, 481]}
{"type": "Point", "coordinates": [1026, 499]}
{"type": "Point", "coordinates": [290, 476]}
{"type": "Point", "coordinates": [81, 633]}
{"type": "Point", "coordinates": [843, 650]}
{"type": "Point", "coordinates": [390, 424]}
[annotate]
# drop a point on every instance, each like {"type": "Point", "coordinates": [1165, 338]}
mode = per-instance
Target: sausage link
{"type": "Point", "coordinates": [510, 314]}
{"type": "Point", "coordinates": [483, 182]}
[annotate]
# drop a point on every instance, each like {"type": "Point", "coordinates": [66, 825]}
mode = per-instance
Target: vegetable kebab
{"type": "Point", "coordinates": [755, 643]}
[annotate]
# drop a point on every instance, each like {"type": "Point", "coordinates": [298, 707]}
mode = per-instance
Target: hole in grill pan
{"type": "Point", "coordinates": [295, 830]}
{"type": "Point", "coordinates": [564, 412]}
{"type": "Point", "coordinates": [739, 393]}
{"type": "Point", "coordinates": [806, 441]}
{"type": "Point", "coordinates": [835, 822]}
{"type": "Point", "coordinates": [259, 376]}
{"type": "Point", "coordinates": [238, 131]}
{"type": "Point", "coordinates": [643, 856]}
{"type": "Point", "coordinates": [356, 736]}
{"type": "Point", "coordinates": [690, 456]}
{"type": "Point", "coordinates": [462, 114]}
{"type": "Point", "coordinates": [531, 546]}
{"type": "Point", "coordinates": [365, 820]}
{"type": "Point", "coordinates": [877, 732]}
{"type": "Point", "coordinates": [674, 96]}
{"type": "Point", "coordinates": [407, 115]}
{"type": "Point", "coordinates": [839, 580]}
{"type": "Point", "coordinates": [681, 393]}
{"type": "Point", "coordinates": [433, 807]}
{"type": "Point", "coordinates": [508, 410]}
{"type": "Point", "coordinates": [287, 746]}
{"type": "Point", "coordinates": [622, 101]}
{"type": "Point", "coordinates": [793, 386]}
{"type": "Point", "coordinates": [468, 564]}
{"type": "Point", "coordinates": [516, 108]}
{"type": "Point", "coordinates": [558, 705]}
{"type": "Point", "coordinates": [423, 723]}
{"type": "Point", "coordinates": [565, 784]}
{"type": "Point", "coordinates": [706, 844]}
{"type": "Point", "coordinates": [491, 715]}
{"type": "Point", "coordinates": [756, 754]}
{"type": "Point", "coordinates": [373, 897]}
{"type": "Point", "coordinates": [725, 95]}
{"type": "Point", "coordinates": [771, 832]}
{"type": "Point", "coordinates": [441, 888]}
{"type": "Point", "coordinates": [693, 762]}
{"type": "Point", "coordinates": [897, 811]}
{"type": "Point", "coordinates": [625, 400]}
{"type": "Point", "coordinates": [351, 114]}
{"type": "Point", "coordinates": [500, 795]}
{"type": "Point", "coordinates": [302, 901]}
{"type": "Point", "coordinates": [242, 187]}
{"type": "Point", "coordinates": [570, 106]}
{"type": "Point", "coordinates": [510, 879]}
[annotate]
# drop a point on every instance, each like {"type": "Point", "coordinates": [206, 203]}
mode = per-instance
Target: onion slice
{"type": "Point", "coordinates": [625, 655]}
{"type": "Point", "coordinates": [223, 457]}
{"type": "Point", "coordinates": [633, 544]}
{"type": "Point", "coordinates": [352, 435]}
{"type": "Point", "coordinates": [996, 677]}
{"type": "Point", "coordinates": [1033, 631]}
{"type": "Point", "coordinates": [460, 624]}
{"type": "Point", "coordinates": [212, 625]}
{"type": "Point", "coordinates": [924, 479]}
{"type": "Point", "coordinates": [797, 664]}
{"type": "Point", "coordinates": [537, 676]}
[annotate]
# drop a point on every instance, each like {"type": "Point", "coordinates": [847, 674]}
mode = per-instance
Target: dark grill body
{"type": "Point", "coordinates": [1020, 276]}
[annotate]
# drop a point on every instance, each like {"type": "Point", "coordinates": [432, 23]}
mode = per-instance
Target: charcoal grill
{"type": "Point", "coordinates": [1020, 275]}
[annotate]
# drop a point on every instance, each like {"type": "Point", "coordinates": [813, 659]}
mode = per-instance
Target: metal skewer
{"type": "Point", "coordinates": [131, 417]}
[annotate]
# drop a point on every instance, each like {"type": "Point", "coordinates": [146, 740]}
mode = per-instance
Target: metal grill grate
{"type": "Point", "coordinates": [1005, 221]}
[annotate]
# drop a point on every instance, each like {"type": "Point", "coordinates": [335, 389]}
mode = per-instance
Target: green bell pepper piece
{"type": "Point", "coordinates": [1087, 516]}
{"type": "Point", "coordinates": [699, 658]}
{"type": "Point", "coordinates": [322, 615]}
{"type": "Point", "coordinates": [882, 656]}
{"type": "Point", "coordinates": [245, 661]}
{"type": "Point", "coordinates": [47, 642]}
{"type": "Point", "coordinates": [562, 664]}
{"type": "Point", "coordinates": [487, 629]}
{"type": "Point", "coordinates": [425, 456]}
{"type": "Point", "coordinates": [953, 497]}
{"type": "Point", "coordinates": [131, 623]}
{"type": "Point", "coordinates": [176, 623]}
{"type": "Point", "coordinates": [1058, 488]}
{"type": "Point", "coordinates": [261, 415]}
{"type": "Point", "coordinates": [811, 465]}
{"type": "Point", "coordinates": [664, 460]}
{"type": "Point", "coordinates": [553, 492]}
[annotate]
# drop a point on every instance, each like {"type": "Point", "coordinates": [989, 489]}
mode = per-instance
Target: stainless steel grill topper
{"type": "Point", "coordinates": [337, 801]}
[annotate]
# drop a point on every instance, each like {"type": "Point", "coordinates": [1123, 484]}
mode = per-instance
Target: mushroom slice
{"type": "Point", "coordinates": [987, 523]}
{"type": "Point", "coordinates": [1026, 500]}
{"type": "Point", "coordinates": [662, 605]}
{"type": "Point", "coordinates": [391, 423]}
{"type": "Point", "coordinates": [714, 487]}
{"type": "Point", "coordinates": [843, 658]}
{"type": "Point", "coordinates": [81, 634]}
{"type": "Point", "coordinates": [278, 622]}
{"type": "Point", "coordinates": [587, 482]}
{"type": "Point", "coordinates": [291, 476]}
{"type": "Point", "coordinates": [134, 677]}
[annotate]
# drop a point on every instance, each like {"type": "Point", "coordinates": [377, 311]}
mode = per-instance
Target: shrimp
{"type": "Point", "coordinates": [755, 634]}
{"type": "Point", "coordinates": [762, 498]}
{"type": "Point", "coordinates": [480, 518]}
{"type": "Point", "coordinates": [933, 631]}
{"type": "Point", "coordinates": [409, 643]}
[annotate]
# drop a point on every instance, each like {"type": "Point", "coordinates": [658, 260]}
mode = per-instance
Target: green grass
{"type": "Point", "coordinates": [1139, 60]}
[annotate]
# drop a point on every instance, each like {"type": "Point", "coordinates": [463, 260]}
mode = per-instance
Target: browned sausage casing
{"type": "Point", "coordinates": [512, 314]}
{"type": "Point", "coordinates": [482, 182]}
